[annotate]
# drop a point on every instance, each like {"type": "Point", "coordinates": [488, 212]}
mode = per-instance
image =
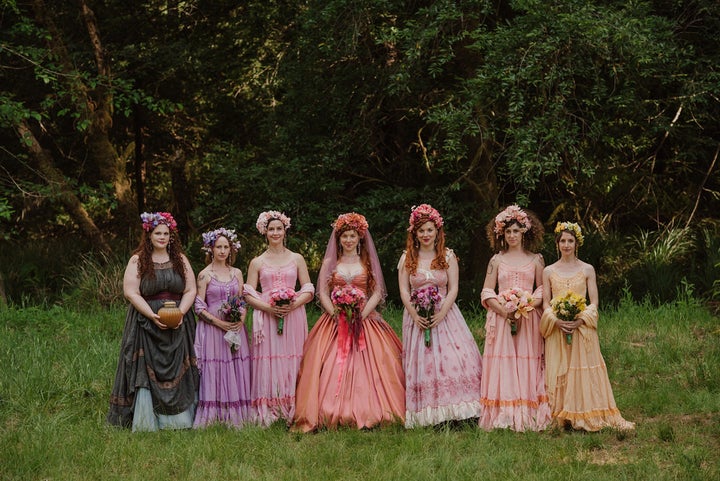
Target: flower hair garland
{"type": "Point", "coordinates": [572, 227]}
{"type": "Point", "coordinates": [151, 220]}
{"type": "Point", "coordinates": [510, 214]}
{"type": "Point", "coordinates": [351, 221]}
{"type": "Point", "coordinates": [265, 217]}
{"type": "Point", "coordinates": [209, 238]}
{"type": "Point", "coordinates": [424, 212]}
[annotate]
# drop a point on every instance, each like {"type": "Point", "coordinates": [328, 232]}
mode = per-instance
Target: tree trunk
{"type": "Point", "coordinates": [60, 189]}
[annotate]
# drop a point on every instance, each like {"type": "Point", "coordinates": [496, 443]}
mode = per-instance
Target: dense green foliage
{"type": "Point", "coordinates": [598, 111]}
{"type": "Point", "coordinates": [58, 367]}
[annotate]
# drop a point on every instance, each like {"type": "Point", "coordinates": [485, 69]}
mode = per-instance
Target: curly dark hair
{"type": "Point", "coordinates": [532, 239]}
{"type": "Point", "coordinates": [144, 250]}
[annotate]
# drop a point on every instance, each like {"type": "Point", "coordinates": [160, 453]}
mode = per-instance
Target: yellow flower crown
{"type": "Point", "coordinates": [572, 227]}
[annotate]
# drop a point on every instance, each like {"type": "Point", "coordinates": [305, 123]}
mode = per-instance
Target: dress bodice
{"type": "Point", "coordinates": [219, 291]}
{"type": "Point", "coordinates": [559, 285]}
{"type": "Point", "coordinates": [358, 280]}
{"type": "Point", "coordinates": [510, 276]}
{"type": "Point", "coordinates": [166, 280]}
{"type": "Point", "coordinates": [429, 277]}
{"type": "Point", "coordinates": [273, 277]}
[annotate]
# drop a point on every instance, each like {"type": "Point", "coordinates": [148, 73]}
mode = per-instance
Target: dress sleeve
{"type": "Point", "coordinates": [248, 290]}
{"type": "Point", "coordinates": [200, 305]}
{"type": "Point", "coordinates": [485, 295]}
{"type": "Point", "coordinates": [547, 322]}
{"type": "Point", "coordinates": [308, 287]}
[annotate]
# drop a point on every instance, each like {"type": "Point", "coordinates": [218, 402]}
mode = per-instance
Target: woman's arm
{"type": "Point", "coordinates": [453, 274]}
{"type": "Point", "coordinates": [404, 286]}
{"type": "Point", "coordinates": [131, 291]}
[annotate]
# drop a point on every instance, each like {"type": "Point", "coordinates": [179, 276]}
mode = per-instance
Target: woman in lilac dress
{"type": "Point", "coordinates": [221, 342]}
{"type": "Point", "coordinates": [442, 371]}
{"type": "Point", "coordinates": [513, 380]}
{"type": "Point", "coordinates": [279, 321]}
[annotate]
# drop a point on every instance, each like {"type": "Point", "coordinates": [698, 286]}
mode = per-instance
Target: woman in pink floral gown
{"type": "Point", "coordinates": [351, 373]}
{"type": "Point", "coordinates": [513, 382]}
{"type": "Point", "coordinates": [442, 373]}
{"type": "Point", "coordinates": [276, 353]}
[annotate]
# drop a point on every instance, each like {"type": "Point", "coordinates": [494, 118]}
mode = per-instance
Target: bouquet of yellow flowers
{"type": "Point", "coordinates": [567, 307]}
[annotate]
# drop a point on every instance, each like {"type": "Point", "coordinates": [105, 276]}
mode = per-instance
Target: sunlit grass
{"type": "Point", "coordinates": [58, 365]}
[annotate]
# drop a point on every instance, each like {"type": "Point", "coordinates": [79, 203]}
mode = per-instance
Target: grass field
{"type": "Point", "coordinates": [57, 366]}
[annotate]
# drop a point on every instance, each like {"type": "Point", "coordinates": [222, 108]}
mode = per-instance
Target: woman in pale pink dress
{"type": "Point", "coordinates": [276, 353]}
{"type": "Point", "coordinates": [351, 373]}
{"type": "Point", "coordinates": [577, 379]}
{"type": "Point", "coordinates": [513, 382]}
{"type": "Point", "coordinates": [224, 395]}
{"type": "Point", "coordinates": [442, 373]}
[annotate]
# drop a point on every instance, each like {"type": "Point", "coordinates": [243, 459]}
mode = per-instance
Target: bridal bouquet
{"type": "Point", "coordinates": [280, 297]}
{"type": "Point", "coordinates": [348, 299]}
{"type": "Point", "coordinates": [232, 310]}
{"type": "Point", "coordinates": [518, 303]}
{"type": "Point", "coordinates": [425, 299]}
{"type": "Point", "coordinates": [567, 307]}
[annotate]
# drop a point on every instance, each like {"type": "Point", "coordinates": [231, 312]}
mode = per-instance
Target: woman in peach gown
{"type": "Point", "coordinates": [513, 383]}
{"type": "Point", "coordinates": [351, 374]}
{"type": "Point", "coordinates": [577, 378]}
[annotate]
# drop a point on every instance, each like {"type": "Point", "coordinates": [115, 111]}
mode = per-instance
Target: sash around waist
{"type": "Point", "coordinates": [163, 295]}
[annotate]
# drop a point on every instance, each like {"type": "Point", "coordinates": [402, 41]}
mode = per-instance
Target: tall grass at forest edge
{"type": "Point", "coordinates": [57, 367]}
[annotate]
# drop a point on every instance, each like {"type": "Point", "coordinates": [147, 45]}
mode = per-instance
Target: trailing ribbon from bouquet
{"type": "Point", "coordinates": [348, 301]}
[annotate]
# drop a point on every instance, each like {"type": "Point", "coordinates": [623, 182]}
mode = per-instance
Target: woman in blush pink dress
{"type": "Point", "coordinates": [442, 372]}
{"type": "Point", "coordinates": [221, 342]}
{"type": "Point", "coordinates": [513, 382]}
{"type": "Point", "coordinates": [577, 379]}
{"type": "Point", "coordinates": [351, 373]}
{"type": "Point", "coordinates": [276, 353]}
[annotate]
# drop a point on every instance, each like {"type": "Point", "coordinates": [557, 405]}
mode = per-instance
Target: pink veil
{"type": "Point", "coordinates": [330, 263]}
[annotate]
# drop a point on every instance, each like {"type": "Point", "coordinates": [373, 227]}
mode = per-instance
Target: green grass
{"type": "Point", "coordinates": [57, 366]}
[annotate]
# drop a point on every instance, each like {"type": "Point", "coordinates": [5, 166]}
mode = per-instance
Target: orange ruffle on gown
{"type": "Point", "coordinates": [365, 389]}
{"type": "Point", "coordinates": [576, 375]}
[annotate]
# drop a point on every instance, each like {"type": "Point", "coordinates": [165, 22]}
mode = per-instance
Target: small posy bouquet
{"type": "Point", "coordinates": [280, 297]}
{"type": "Point", "coordinates": [349, 299]}
{"type": "Point", "coordinates": [567, 307]}
{"type": "Point", "coordinates": [232, 310]}
{"type": "Point", "coordinates": [518, 303]}
{"type": "Point", "coordinates": [425, 300]}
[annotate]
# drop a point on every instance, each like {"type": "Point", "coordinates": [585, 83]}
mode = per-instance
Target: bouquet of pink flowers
{"type": "Point", "coordinates": [348, 298]}
{"type": "Point", "coordinates": [518, 303]}
{"type": "Point", "coordinates": [279, 297]}
{"type": "Point", "coordinates": [425, 300]}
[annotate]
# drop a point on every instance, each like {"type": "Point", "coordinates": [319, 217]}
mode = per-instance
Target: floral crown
{"type": "Point", "coordinates": [351, 221]}
{"type": "Point", "coordinates": [150, 220]}
{"type": "Point", "coordinates": [572, 227]}
{"type": "Point", "coordinates": [424, 213]}
{"type": "Point", "coordinates": [209, 238]}
{"type": "Point", "coordinates": [510, 214]}
{"type": "Point", "coordinates": [265, 217]}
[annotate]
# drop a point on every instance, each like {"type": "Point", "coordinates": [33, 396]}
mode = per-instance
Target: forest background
{"type": "Point", "coordinates": [601, 112]}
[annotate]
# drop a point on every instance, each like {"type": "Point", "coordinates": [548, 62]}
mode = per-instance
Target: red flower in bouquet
{"type": "Point", "coordinates": [280, 297]}
{"type": "Point", "coordinates": [518, 303]}
{"type": "Point", "coordinates": [425, 300]}
{"type": "Point", "coordinates": [348, 298]}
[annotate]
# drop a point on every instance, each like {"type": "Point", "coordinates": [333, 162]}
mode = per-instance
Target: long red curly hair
{"type": "Point", "coordinates": [412, 248]}
{"type": "Point", "coordinates": [364, 256]}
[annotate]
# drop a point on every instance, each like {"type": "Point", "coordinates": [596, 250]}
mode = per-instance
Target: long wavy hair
{"type": "Point", "coordinates": [532, 239]}
{"type": "Point", "coordinates": [144, 251]}
{"type": "Point", "coordinates": [230, 259]}
{"type": "Point", "coordinates": [412, 248]}
{"type": "Point", "coordinates": [364, 256]}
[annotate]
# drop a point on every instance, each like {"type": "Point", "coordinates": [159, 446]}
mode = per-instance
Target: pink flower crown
{"type": "Point", "coordinates": [209, 238]}
{"type": "Point", "coordinates": [265, 217]}
{"type": "Point", "coordinates": [422, 214]}
{"type": "Point", "coordinates": [150, 220]}
{"type": "Point", "coordinates": [510, 214]}
{"type": "Point", "coordinates": [351, 221]}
